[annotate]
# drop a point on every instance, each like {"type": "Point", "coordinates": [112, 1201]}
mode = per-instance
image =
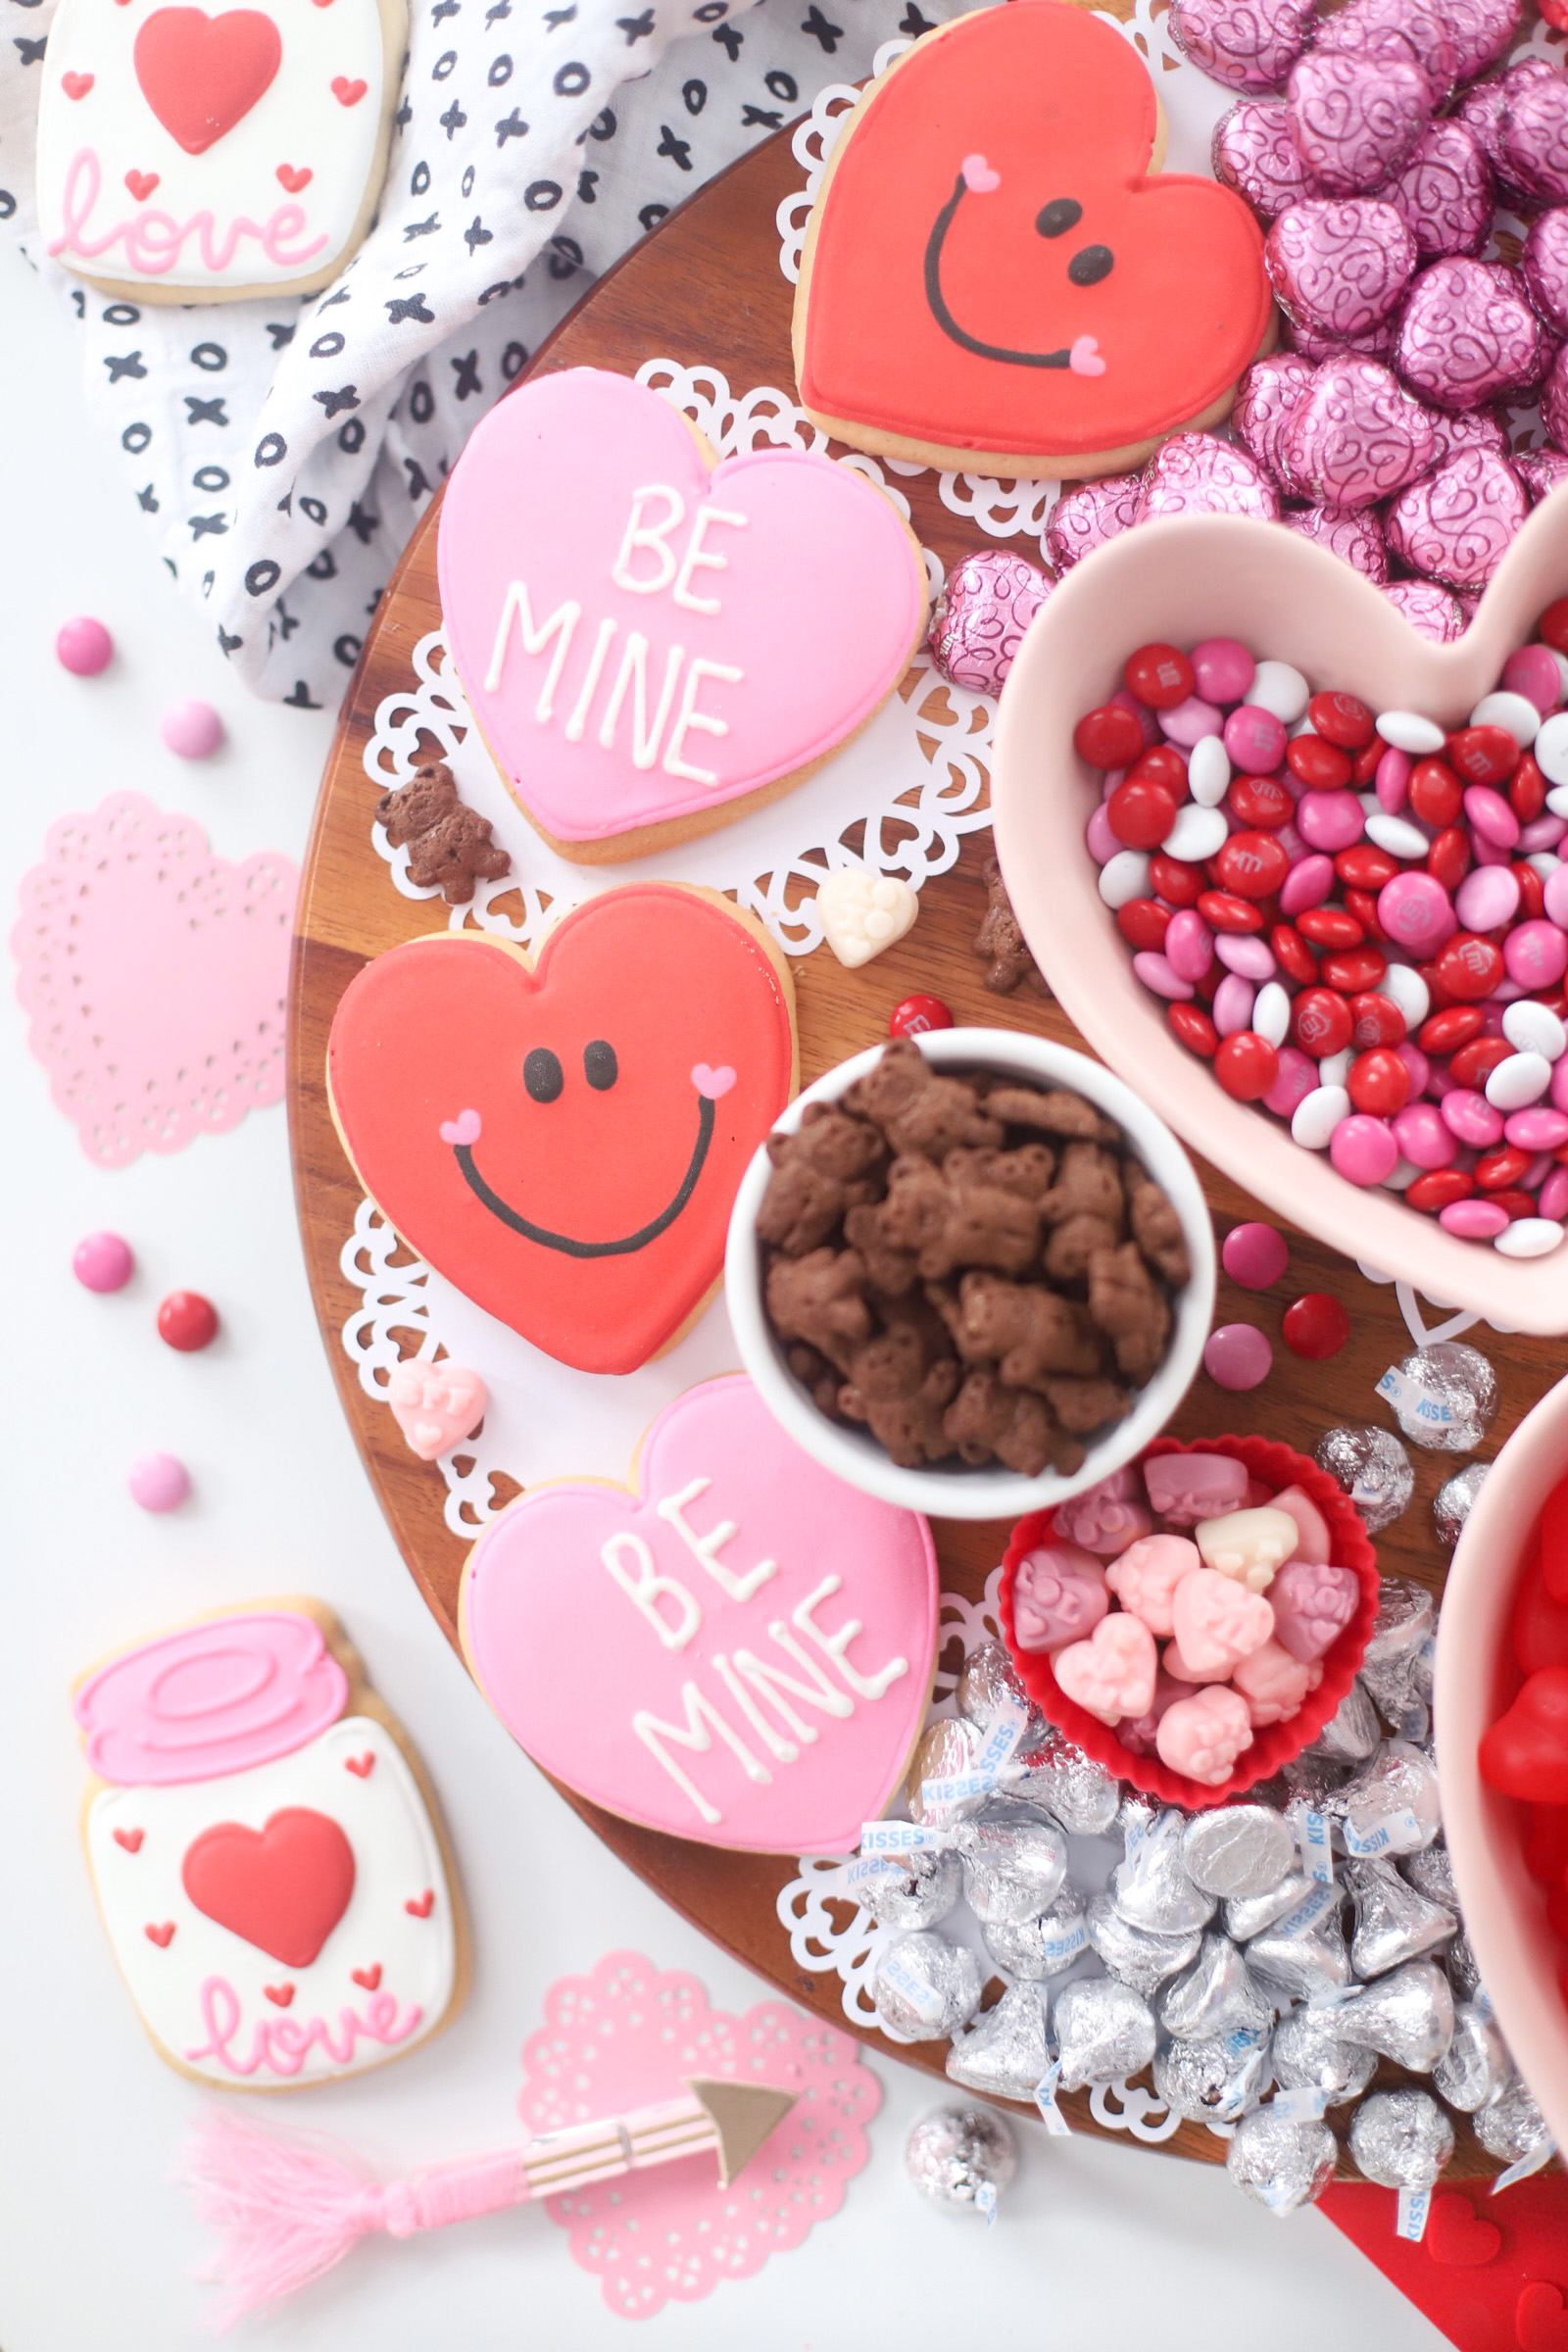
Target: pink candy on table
{"type": "Point", "coordinates": [1309, 883]}
{"type": "Point", "coordinates": [1329, 821]}
{"type": "Point", "coordinates": [1532, 670]}
{"type": "Point", "coordinates": [1238, 1355]}
{"type": "Point", "coordinates": [1107, 1517]}
{"type": "Point", "coordinates": [1416, 910]}
{"type": "Point", "coordinates": [1058, 1595]}
{"type": "Point", "coordinates": [1138, 1733]}
{"type": "Point", "coordinates": [1185, 1488]}
{"type": "Point", "coordinates": [192, 730]}
{"type": "Point", "coordinates": [1422, 1137]}
{"type": "Point", "coordinates": [103, 1261]}
{"type": "Point", "coordinates": [1475, 1220]}
{"type": "Point", "coordinates": [1313, 1601]}
{"type": "Point", "coordinates": [1202, 1735]}
{"type": "Point", "coordinates": [1216, 1622]}
{"type": "Point", "coordinates": [1254, 1255]}
{"type": "Point", "coordinates": [1313, 1540]}
{"type": "Point", "coordinates": [1254, 739]}
{"type": "Point", "coordinates": [1363, 1149]}
{"type": "Point", "coordinates": [1146, 1577]}
{"type": "Point", "coordinates": [159, 1482]}
{"type": "Point", "coordinates": [1274, 1684]}
{"type": "Point", "coordinates": [84, 647]}
{"type": "Point", "coordinates": [1536, 955]}
{"type": "Point", "coordinates": [1112, 1673]}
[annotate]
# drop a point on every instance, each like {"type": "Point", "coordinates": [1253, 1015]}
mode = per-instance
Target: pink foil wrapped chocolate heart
{"type": "Point", "coordinates": [1481, 111]}
{"type": "Point", "coordinates": [1483, 30]}
{"type": "Point", "coordinates": [1274, 1684]}
{"type": "Point", "coordinates": [1554, 399]}
{"type": "Point", "coordinates": [1454, 430]}
{"type": "Point", "coordinates": [1313, 1601]}
{"type": "Point", "coordinates": [1339, 268]}
{"type": "Point", "coordinates": [1356, 436]}
{"type": "Point", "coordinates": [1443, 191]}
{"type": "Point", "coordinates": [1411, 32]}
{"type": "Point", "coordinates": [1356, 117]}
{"type": "Point", "coordinates": [1541, 471]}
{"type": "Point", "coordinates": [1202, 1735]}
{"type": "Point", "coordinates": [1254, 153]}
{"type": "Point", "coordinates": [1146, 1577]}
{"type": "Point", "coordinates": [1107, 1517]}
{"type": "Point", "coordinates": [1217, 1621]}
{"type": "Point", "coordinates": [1467, 334]}
{"type": "Point", "coordinates": [1058, 1595]}
{"type": "Point", "coordinates": [1544, 266]}
{"type": "Point", "coordinates": [1377, 343]}
{"type": "Point", "coordinates": [1184, 1487]}
{"type": "Point", "coordinates": [1533, 137]}
{"type": "Point", "coordinates": [991, 599]}
{"type": "Point", "coordinates": [1246, 44]}
{"type": "Point", "coordinates": [1112, 1673]}
{"type": "Point", "coordinates": [1266, 397]}
{"type": "Point", "coordinates": [1454, 525]}
{"type": "Point", "coordinates": [1193, 473]}
{"type": "Point", "coordinates": [1357, 539]}
{"type": "Point", "coordinates": [1087, 514]}
{"type": "Point", "coordinates": [1432, 611]}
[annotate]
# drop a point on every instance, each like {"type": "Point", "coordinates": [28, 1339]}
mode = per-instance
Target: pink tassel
{"type": "Point", "coordinates": [289, 2211]}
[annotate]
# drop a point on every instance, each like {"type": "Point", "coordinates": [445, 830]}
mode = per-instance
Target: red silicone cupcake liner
{"type": "Point", "coordinates": [1272, 1465]}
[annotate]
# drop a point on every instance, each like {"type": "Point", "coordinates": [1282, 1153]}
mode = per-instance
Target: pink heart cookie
{"type": "Point", "coordinates": [1184, 1487]}
{"type": "Point", "coordinates": [435, 1406]}
{"type": "Point", "coordinates": [1058, 1595]}
{"type": "Point", "coordinates": [1203, 1736]}
{"type": "Point", "coordinates": [1313, 1601]}
{"type": "Point", "coordinates": [1274, 1684]}
{"type": "Point", "coordinates": [761, 1636]}
{"type": "Point", "coordinates": [1146, 1577]}
{"type": "Point", "coordinates": [1217, 1621]}
{"type": "Point", "coordinates": [1112, 1673]}
{"type": "Point", "coordinates": [647, 639]}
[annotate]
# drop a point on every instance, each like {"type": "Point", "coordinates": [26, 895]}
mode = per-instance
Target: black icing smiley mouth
{"type": "Point", "coordinates": [545, 1081]}
{"type": "Point", "coordinates": [1087, 267]}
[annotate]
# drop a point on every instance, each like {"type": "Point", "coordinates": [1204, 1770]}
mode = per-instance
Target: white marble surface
{"type": "Point", "coordinates": [96, 2244]}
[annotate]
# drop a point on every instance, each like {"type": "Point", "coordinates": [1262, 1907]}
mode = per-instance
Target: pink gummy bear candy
{"type": "Point", "coordinates": [1184, 1671]}
{"type": "Point", "coordinates": [1139, 1730]}
{"type": "Point", "coordinates": [1313, 1540]}
{"type": "Point", "coordinates": [1274, 1684]}
{"type": "Point", "coordinates": [1313, 1601]}
{"type": "Point", "coordinates": [1059, 1594]}
{"type": "Point", "coordinates": [1185, 1488]}
{"type": "Point", "coordinates": [1203, 1736]}
{"type": "Point", "coordinates": [1217, 1621]}
{"type": "Point", "coordinates": [1112, 1673]}
{"type": "Point", "coordinates": [1105, 1518]}
{"type": "Point", "coordinates": [1146, 1577]}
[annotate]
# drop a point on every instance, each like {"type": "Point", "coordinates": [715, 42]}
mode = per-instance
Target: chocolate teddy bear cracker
{"type": "Point", "coordinates": [967, 1266]}
{"type": "Point", "coordinates": [449, 843]}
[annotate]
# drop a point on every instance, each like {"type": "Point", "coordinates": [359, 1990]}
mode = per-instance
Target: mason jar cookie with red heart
{"type": "Point", "coordinates": [186, 155]}
{"type": "Point", "coordinates": [265, 1853]}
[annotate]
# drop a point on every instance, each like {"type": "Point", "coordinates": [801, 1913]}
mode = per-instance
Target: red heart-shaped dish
{"type": "Point", "coordinates": [1221, 575]}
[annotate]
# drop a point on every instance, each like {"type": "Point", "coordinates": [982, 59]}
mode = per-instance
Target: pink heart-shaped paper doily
{"type": "Point", "coordinates": [788, 587]}
{"type": "Point", "coordinates": [728, 1704]}
{"type": "Point", "coordinates": [626, 2036]}
{"type": "Point", "coordinates": [1179, 581]}
{"type": "Point", "coordinates": [155, 976]}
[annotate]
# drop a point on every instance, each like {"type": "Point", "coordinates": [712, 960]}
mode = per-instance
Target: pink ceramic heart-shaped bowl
{"type": "Point", "coordinates": [1273, 1465]}
{"type": "Point", "coordinates": [1214, 576]}
{"type": "Point", "coordinates": [1504, 1910]}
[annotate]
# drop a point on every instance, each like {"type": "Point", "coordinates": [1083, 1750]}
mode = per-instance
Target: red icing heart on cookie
{"type": "Point", "coordinates": [130, 1839]}
{"type": "Point", "coordinates": [1457, 2235]}
{"type": "Point", "coordinates": [1540, 2318]}
{"type": "Point", "coordinates": [202, 75]}
{"type": "Point", "coordinates": [141, 184]}
{"type": "Point", "coordinates": [992, 268]}
{"type": "Point", "coordinates": [346, 92]}
{"type": "Point", "coordinates": [292, 177]}
{"type": "Point", "coordinates": [557, 1141]}
{"type": "Point", "coordinates": [283, 1887]}
{"type": "Point", "coordinates": [76, 85]}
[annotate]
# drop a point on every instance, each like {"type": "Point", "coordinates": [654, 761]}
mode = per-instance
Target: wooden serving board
{"type": "Point", "coordinates": [707, 286]}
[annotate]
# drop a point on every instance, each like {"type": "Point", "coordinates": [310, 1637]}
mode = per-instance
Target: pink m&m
{"type": "Point", "coordinates": [1329, 820]}
{"type": "Point", "coordinates": [1415, 910]}
{"type": "Point", "coordinates": [102, 1262]}
{"type": "Point", "coordinates": [192, 730]}
{"type": "Point", "coordinates": [1532, 670]}
{"type": "Point", "coordinates": [1536, 955]}
{"type": "Point", "coordinates": [1471, 1117]}
{"type": "Point", "coordinates": [159, 1482]}
{"type": "Point", "coordinates": [1189, 944]}
{"type": "Point", "coordinates": [1254, 1255]}
{"type": "Point", "coordinates": [1254, 739]}
{"type": "Point", "coordinates": [1238, 1355]}
{"type": "Point", "coordinates": [1423, 1138]}
{"type": "Point", "coordinates": [1224, 669]}
{"type": "Point", "coordinates": [1473, 1220]}
{"type": "Point", "coordinates": [84, 647]}
{"type": "Point", "coordinates": [1363, 1149]}
{"type": "Point", "coordinates": [1191, 721]}
{"type": "Point", "coordinates": [1308, 884]}
{"type": "Point", "coordinates": [1488, 895]}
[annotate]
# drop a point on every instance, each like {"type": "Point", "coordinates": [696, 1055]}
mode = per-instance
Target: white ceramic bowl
{"type": "Point", "coordinates": [958, 1492]}
{"type": "Point", "coordinates": [1504, 1910]}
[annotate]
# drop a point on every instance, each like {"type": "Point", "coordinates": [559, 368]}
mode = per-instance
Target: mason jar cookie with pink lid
{"type": "Point", "coordinates": [266, 1853]}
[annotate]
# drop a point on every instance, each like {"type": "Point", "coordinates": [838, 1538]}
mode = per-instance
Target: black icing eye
{"type": "Point", "coordinates": [600, 1067]}
{"type": "Point", "coordinates": [542, 1074]}
{"type": "Point", "coordinates": [1059, 217]}
{"type": "Point", "coordinates": [1087, 267]}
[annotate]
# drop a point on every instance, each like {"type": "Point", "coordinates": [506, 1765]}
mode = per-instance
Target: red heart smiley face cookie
{"type": "Point", "coordinates": [564, 1142]}
{"type": "Point", "coordinates": [994, 277]}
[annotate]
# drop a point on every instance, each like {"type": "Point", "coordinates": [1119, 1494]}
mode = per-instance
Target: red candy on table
{"type": "Point", "coordinates": [1246, 1065]}
{"type": "Point", "coordinates": [1315, 1326]}
{"type": "Point", "coordinates": [188, 1321]}
{"type": "Point", "coordinates": [1108, 737]}
{"type": "Point", "coordinates": [1525, 1753]}
{"type": "Point", "coordinates": [917, 1016]}
{"type": "Point", "coordinates": [1159, 675]}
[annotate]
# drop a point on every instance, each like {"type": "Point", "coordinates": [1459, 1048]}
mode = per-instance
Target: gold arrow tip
{"type": "Point", "coordinates": [743, 2113]}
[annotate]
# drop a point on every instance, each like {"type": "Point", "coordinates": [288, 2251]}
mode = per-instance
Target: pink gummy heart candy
{"type": "Point", "coordinates": [435, 1406]}
{"type": "Point", "coordinates": [1059, 1594]}
{"type": "Point", "coordinates": [1182, 1670]}
{"type": "Point", "coordinates": [1312, 1539]}
{"type": "Point", "coordinates": [1105, 1518]}
{"type": "Point", "coordinates": [1139, 1732]}
{"type": "Point", "coordinates": [1274, 1684]}
{"type": "Point", "coordinates": [1203, 1736]}
{"type": "Point", "coordinates": [1112, 1673]}
{"type": "Point", "coordinates": [1313, 1601]}
{"type": "Point", "coordinates": [1146, 1577]}
{"type": "Point", "coordinates": [1185, 1488]}
{"type": "Point", "coordinates": [1217, 1621]}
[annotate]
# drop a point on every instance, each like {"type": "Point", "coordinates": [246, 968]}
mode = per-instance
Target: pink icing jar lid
{"type": "Point", "coordinates": [211, 1698]}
